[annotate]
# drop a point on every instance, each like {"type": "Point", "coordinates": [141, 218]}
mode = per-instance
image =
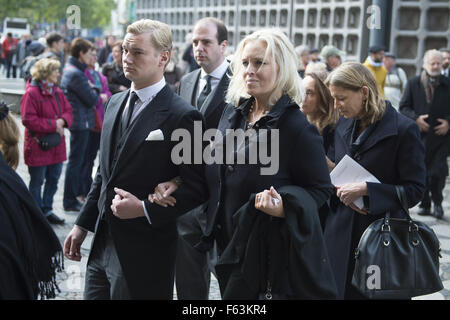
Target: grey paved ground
{"type": "Point", "coordinates": [71, 281]}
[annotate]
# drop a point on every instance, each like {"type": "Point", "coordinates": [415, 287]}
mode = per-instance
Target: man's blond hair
{"type": "Point", "coordinates": [160, 33]}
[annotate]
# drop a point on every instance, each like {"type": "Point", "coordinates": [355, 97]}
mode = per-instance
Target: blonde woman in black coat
{"type": "Point", "coordinates": [264, 95]}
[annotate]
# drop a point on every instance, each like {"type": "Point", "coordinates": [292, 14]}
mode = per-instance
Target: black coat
{"type": "Point", "coordinates": [394, 154]}
{"type": "Point", "coordinates": [290, 252]}
{"type": "Point", "coordinates": [146, 251]}
{"type": "Point", "coordinates": [301, 163]}
{"type": "Point", "coordinates": [414, 104]}
{"type": "Point", "coordinates": [30, 252]}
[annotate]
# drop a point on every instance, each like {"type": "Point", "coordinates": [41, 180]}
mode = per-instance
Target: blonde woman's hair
{"type": "Point", "coordinates": [160, 33]}
{"type": "Point", "coordinates": [326, 114]}
{"type": "Point", "coordinates": [353, 76]}
{"type": "Point", "coordinates": [44, 68]}
{"type": "Point", "coordinates": [9, 141]}
{"type": "Point", "coordinates": [279, 50]}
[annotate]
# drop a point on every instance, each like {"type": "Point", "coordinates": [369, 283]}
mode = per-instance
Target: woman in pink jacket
{"type": "Point", "coordinates": [45, 110]}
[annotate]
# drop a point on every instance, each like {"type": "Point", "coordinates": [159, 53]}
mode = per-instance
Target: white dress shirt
{"type": "Point", "coordinates": [145, 95]}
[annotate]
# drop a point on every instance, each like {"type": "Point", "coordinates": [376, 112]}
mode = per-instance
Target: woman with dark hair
{"type": "Point", "coordinates": [99, 81]}
{"type": "Point", "coordinates": [30, 252]}
{"type": "Point", "coordinates": [319, 110]}
{"type": "Point", "coordinates": [385, 143]}
{"type": "Point", "coordinates": [83, 97]}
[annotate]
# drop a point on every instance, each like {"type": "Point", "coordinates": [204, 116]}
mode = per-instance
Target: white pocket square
{"type": "Point", "coordinates": [155, 135]}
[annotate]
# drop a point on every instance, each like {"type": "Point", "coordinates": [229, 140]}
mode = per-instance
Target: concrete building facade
{"type": "Point", "coordinates": [409, 27]}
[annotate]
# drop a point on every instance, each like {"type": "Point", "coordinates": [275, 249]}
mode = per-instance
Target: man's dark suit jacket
{"type": "Point", "coordinates": [146, 251]}
{"type": "Point", "coordinates": [212, 110]}
{"type": "Point", "coordinates": [214, 104]}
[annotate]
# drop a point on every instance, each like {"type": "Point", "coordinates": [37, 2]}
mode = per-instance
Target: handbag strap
{"type": "Point", "coordinates": [57, 103]}
{"type": "Point", "coordinates": [401, 194]}
{"type": "Point", "coordinates": [59, 115]}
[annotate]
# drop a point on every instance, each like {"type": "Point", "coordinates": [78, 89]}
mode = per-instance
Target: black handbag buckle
{"type": "Point", "coordinates": [415, 239]}
{"type": "Point", "coordinates": [415, 225]}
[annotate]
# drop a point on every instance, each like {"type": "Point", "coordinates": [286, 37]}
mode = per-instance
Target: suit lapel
{"type": "Point", "coordinates": [110, 124]}
{"type": "Point", "coordinates": [151, 118]}
{"type": "Point", "coordinates": [189, 89]}
{"type": "Point", "coordinates": [216, 97]}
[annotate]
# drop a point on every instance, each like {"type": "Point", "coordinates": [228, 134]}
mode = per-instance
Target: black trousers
{"type": "Point", "coordinates": [193, 267]}
{"type": "Point", "coordinates": [435, 186]}
{"type": "Point", "coordinates": [104, 277]}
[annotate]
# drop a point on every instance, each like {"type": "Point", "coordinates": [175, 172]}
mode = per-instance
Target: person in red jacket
{"type": "Point", "coordinates": [45, 110]}
{"type": "Point", "coordinates": [9, 46]}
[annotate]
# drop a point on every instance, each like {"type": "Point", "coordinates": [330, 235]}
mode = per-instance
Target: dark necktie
{"type": "Point", "coordinates": [133, 99]}
{"type": "Point", "coordinates": [205, 92]}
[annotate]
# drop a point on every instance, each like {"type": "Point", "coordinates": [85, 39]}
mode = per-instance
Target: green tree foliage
{"type": "Point", "coordinates": [94, 13]}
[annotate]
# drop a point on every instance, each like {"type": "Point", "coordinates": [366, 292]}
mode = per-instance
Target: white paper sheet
{"type": "Point", "coordinates": [348, 171]}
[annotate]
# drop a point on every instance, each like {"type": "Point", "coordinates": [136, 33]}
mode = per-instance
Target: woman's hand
{"type": "Point", "coordinates": [162, 193]}
{"type": "Point", "coordinates": [331, 164]}
{"type": "Point", "coordinates": [349, 192]}
{"type": "Point", "coordinates": [60, 123]}
{"type": "Point", "coordinates": [270, 202]}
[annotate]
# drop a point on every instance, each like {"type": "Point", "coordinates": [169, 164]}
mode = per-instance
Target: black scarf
{"type": "Point", "coordinates": [28, 244]}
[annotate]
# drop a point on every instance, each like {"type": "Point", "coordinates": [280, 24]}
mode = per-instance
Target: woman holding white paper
{"type": "Point", "coordinates": [387, 145]}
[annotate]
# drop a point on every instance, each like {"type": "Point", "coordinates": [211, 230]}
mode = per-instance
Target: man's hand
{"type": "Point", "coordinates": [73, 242]}
{"type": "Point", "coordinates": [442, 129]}
{"type": "Point", "coordinates": [126, 206]}
{"type": "Point", "coordinates": [423, 125]}
{"type": "Point", "coordinates": [162, 194]}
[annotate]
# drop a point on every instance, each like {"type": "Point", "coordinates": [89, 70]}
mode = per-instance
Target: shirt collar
{"type": "Point", "coordinates": [149, 92]}
{"type": "Point", "coordinates": [218, 72]}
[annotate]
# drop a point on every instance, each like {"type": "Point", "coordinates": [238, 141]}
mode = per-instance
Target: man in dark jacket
{"type": "Point", "coordinates": [82, 96]}
{"type": "Point", "coordinates": [204, 88]}
{"type": "Point", "coordinates": [134, 248]}
{"type": "Point", "coordinates": [427, 101]}
{"type": "Point", "coordinates": [106, 50]}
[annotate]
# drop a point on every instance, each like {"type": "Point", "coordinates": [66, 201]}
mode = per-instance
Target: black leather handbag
{"type": "Point", "coordinates": [397, 258]}
{"type": "Point", "coordinates": [51, 140]}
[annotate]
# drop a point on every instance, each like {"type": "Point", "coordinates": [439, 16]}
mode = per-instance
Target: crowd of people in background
{"type": "Point", "coordinates": [326, 108]}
